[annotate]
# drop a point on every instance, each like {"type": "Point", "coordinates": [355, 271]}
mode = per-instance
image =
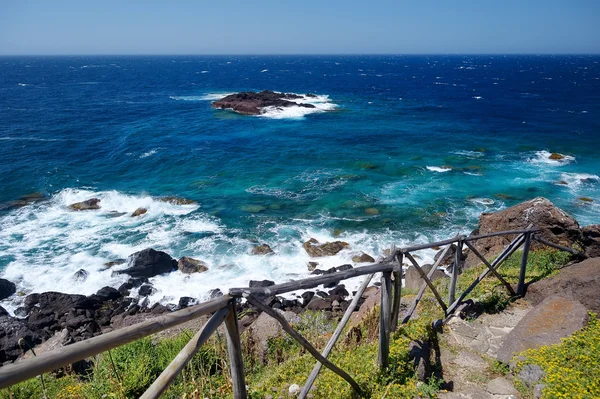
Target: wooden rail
{"type": "Point", "coordinates": [224, 310]}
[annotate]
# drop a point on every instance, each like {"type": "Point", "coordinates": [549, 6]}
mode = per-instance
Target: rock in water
{"type": "Point", "coordinates": [555, 224]}
{"type": "Point", "coordinates": [314, 249]}
{"type": "Point", "coordinates": [149, 263]}
{"type": "Point", "coordinates": [189, 265]}
{"type": "Point", "coordinates": [363, 258]}
{"type": "Point", "coordinates": [556, 156]}
{"type": "Point", "coordinates": [87, 205]}
{"type": "Point", "coordinates": [176, 200]}
{"type": "Point", "coordinates": [252, 103]}
{"type": "Point", "coordinates": [81, 275]}
{"type": "Point", "coordinates": [139, 212]}
{"type": "Point", "coordinates": [7, 288]}
{"type": "Point", "coordinates": [263, 249]}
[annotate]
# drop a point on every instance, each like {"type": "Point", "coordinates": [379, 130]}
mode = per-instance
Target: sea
{"type": "Point", "coordinates": [398, 150]}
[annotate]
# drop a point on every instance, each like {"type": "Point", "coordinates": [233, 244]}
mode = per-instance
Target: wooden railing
{"type": "Point", "coordinates": [223, 310]}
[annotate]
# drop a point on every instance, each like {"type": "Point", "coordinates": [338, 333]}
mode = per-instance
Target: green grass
{"type": "Point", "coordinates": [137, 365]}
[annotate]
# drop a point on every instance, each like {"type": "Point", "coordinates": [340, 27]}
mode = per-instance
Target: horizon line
{"type": "Point", "coordinates": [285, 54]}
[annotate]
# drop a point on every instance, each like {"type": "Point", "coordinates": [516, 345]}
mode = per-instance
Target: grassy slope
{"type": "Point", "coordinates": [136, 365]}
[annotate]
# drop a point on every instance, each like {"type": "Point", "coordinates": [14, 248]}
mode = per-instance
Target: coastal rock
{"type": "Point", "coordinates": [555, 224]}
{"type": "Point", "coordinates": [86, 205]}
{"type": "Point", "coordinates": [554, 318]}
{"type": "Point", "coordinates": [263, 249]}
{"type": "Point", "coordinates": [146, 290]}
{"type": "Point", "coordinates": [115, 262]}
{"type": "Point", "coordinates": [12, 330]}
{"type": "Point", "coordinates": [312, 266]}
{"type": "Point", "coordinates": [591, 240]}
{"type": "Point", "coordinates": [139, 212]}
{"type": "Point", "coordinates": [7, 288]}
{"type": "Point", "coordinates": [449, 258]}
{"type": "Point", "coordinates": [81, 275]}
{"type": "Point", "coordinates": [215, 293]}
{"type": "Point", "coordinates": [176, 200]}
{"type": "Point", "coordinates": [108, 294]}
{"type": "Point", "coordinates": [186, 301]}
{"type": "Point", "coordinates": [189, 265]}
{"type": "Point", "coordinates": [580, 281]}
{"type": "Point", "coordinates": [556, 156]}
{"type": "Point", "coordinates": [265, 329]}
{"type": "Point", "coordinates": [413, 279]}
{"type": "Point", "coordinates": [149, 263]}
{"type": "Point", "coordinates": [363, 258]}
{"type": "Point", "coordinates": [314, 249]}
{"type": "Point", "coordinates": [252, 103]}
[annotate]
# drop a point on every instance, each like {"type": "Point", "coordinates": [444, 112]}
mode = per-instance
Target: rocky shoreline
{"type": "Point", "coordinates": [69, 318]}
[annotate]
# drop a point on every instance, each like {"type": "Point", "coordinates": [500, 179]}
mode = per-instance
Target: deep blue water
{"type": "Point", "coordinates": [414, 149]}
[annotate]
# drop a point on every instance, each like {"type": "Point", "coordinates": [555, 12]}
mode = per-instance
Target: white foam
{"type": "Point", "coordinates": [438, 169]}
{"type": "Point", "coordinates": [575, 180]}
{"type": "Point", "coordinates": [482, 201]}
{"type": "Point", "coordinates": [264, 70]}
{"type": "Point", "coordinates": [469, 154]}
{"type": "Point", "coordinates": [149, 153]}
{"type": "Point", "coordinates": [543, 157]}
{"type": "Point", "coordinates": [321, 103]}
{"type": "Point", "coordinates": [478, 97]}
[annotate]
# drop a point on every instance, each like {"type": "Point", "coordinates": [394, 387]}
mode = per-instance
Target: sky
{"type": "Point", "coordinates": [66, 27]}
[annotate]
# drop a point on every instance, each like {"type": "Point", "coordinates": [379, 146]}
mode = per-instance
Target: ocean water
{"type": "Point", "coordinates": [399, 150]}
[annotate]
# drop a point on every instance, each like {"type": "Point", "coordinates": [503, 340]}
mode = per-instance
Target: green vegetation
{"type": "Point", "coordinates": [572, 367]}
{"type": "Point", "coordinates": [135, 366]}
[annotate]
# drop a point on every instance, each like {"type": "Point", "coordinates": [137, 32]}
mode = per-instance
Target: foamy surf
{"type": "Point", "coordinates": [321, 103]}
{"type": "Point", "coordinates": [439, 169]}
{"type": "Point", "coordinates": [543, 157]}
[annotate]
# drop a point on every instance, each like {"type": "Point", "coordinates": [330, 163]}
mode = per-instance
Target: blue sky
{"type": "Point", "coordinates": [299, 27]}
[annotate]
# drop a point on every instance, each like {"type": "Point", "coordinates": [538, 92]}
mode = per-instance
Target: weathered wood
{"type": "Point", "coordinates": [163, 381]}
{"type": "Point", "coordinates": [455, 270]}
{"type": "Point", "coordinates": [427, 281]}
{"type": "Point", "coordinates": [303, 342]}
{"type": "Point", "coordinates": [384, 321]}
{"type": "Point", "coordinates": [561, 247]}
{"type": "Point", "coordinates": [509, 250]}
{"type": "Point", "coordinates": [313, 282]}
{"type": "Point", "coordinates": [397, 293]}
{"type": "Point", "coordinates": [490, 267]}
{"type": "Point", "coordinates": [523, 271]}
{"type": "Point", "coordinates": [336, 334]}
{"type": "Point", "coordinates": [45, 362]}
{"type": "Point", "coordinates": [234, 350]}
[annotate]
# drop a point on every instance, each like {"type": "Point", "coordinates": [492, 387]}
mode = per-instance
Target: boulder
{"type": "Point", "coordinates": [139, 212]}
{"type": "Point", "coordinates": [81, 275]}
{"type": "Point", "coordinates": [215, 293]}
{"type": "Point", "coordinates": [312, 266]}
{"type": "Point", "coordinates": [115, 262]}
{"type": "Point", "coordinates": [555, 224]}
{"type": "Point", "coordinates": [7, 288]}
{"type": "Point", "coordinates": [149, 263]}
{"type": "Point", "coordinates": [556, 317]}
{"type": "Point", "coordinates": [11, 331]}
{"type": "Point", "coordinates": [591, 240]}
{"type": "Point", "coordinates": [264, 329]}
{"type": "Point", "coordinates": [413, 279]}
{"type": "Point", "coordinates": [146, 290]}
{"type": "Point", "coordinates": [320, 304]}
{"type": "Point", "coordinates": [580, 281]}
{"type": "Point", "coordinates": [189, 265]}
{"type": "Point", "coordinates": [556, 156]}
{"type": "Point", "coordinates": [86, 205]}
{"type": "Point", "coordinates": [60, 303]}
{"type": "Point", "coordinates": [314, 249]}
{"type": "Point", "coordinates": [263, 249]}
{"type": "Point", "coordinates": [363, 258]}
{"type": "Point", "coordinates": [108, 294]}
{"type": "Point", "coordinates": [186, 301]}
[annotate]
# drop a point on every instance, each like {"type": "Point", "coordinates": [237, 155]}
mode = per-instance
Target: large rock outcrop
{"type": "Point", "coordinates": [555, 226]}
{"type": "Point", "coordinates": [11, 331]}
{"type": "Point", "coordinates": [252, 103]}
{"type": "Point", "coordinates": [149, 263]}
{"type": "Point", "coordinates": [580, 281]}
{"type": "Point", "coordinates": [591, 240]}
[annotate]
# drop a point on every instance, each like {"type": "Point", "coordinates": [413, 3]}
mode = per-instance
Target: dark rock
{"type": "Point", "coordinates": [580, 281]}
{"type": "Point", "coordinates": [342, 268]}
{"type": "Point", "coordinates": [87, 205]}
{"type": "Point", "coordinates": [363, 258]}
{"type": "Point", "coordinates": [158, 309]}
{"type": "Point", "coordinates": [420, 353]}
{"type": "Point", "coordinates": [214, 293]}
{"type": "Point", "coordinates": [7, 288]}
{"type": "Point", "coordinates": [530, 374]}
{"type": "Point", "coordinates": [115, 262]}
{"type": "Point", "coordinates": [77, 321]}
{"type": "Point", "coordinates": [307, 297]}
{"type": "Point", "coordinates": [81, 275]}
{"type": "Point", "coordinates": [11, 331]}
{"type": "Point", "coordinates": [125, 288]}
{"type": "Point", "coordinates": [60, 303]}
{"type": "Point", "coordinates": [591, 240]}
{"type": "Point", "coordinates": [189, 265]}
{"type": "Point", "coordinates": [339, 292]}
{"type": "Point", "coordinates": [31, 300]}
{"type": "Point", "coordinates": [108, 294]}
{"type": "Point", "coordinates": [263, 249]}
{"type": "Point", "coordinates": [176, 200]}
{"type": "Point", "coordinates": [149, 263]}
{"type": "Point", "coordinates": [260, 284]}
{"type": "Point", "coordinates": [322, 294]}
{"type": "Point", "coordinates": [555, 224]}
{"type": "Point", "coordinates": [312, 266]}
{"type": "Point", "coordinates": [139, 212]}
{"type": "Point", "coordinates": [252, 103]}
{"type": "Point", "coordinates": [314, 249]}
{"type": "Point", "coordinates": [413, 279]}
{"type": "Point", "coordinates": [137, 282]}
{"type": "Point", "coordinates": [146, 290]}
{"type": "Point", "coordinates": [186, 301]}
{"type": "Point", "coordinates": [38, 320]}
{"type": "Point", "coordinates": [21, 311]}
{"type": "Point", "coordinates": [556, 317]}
{"type": "Point", "coordinates": [320, 304]}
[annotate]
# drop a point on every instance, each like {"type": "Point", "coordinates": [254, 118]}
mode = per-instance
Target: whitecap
{"type": "Point", "coordinates": [321, 103]}
{"type": "Point", "coordinates": [149, 153]}
{"type": "Point", "coordinates": [439, 169]}
{"type": "Point", "coordinates": [575, 180]}
{"type": "Point", "coordinates": [543, 157]}
{"type": "Point", "coordinates": [482, 201]}
{"type": "Point", "coordinates": [264, 70]}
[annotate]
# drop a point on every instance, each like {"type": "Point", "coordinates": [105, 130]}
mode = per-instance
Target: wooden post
{"type": "Point", "coordinates": [397, 293]}
{"type": "Point", "coordinates": [384, 320]}
{"type": "Point", "coordinates": [455, 269]}
{"type": "Point", "coordinates": [234, 349]}
{"type": "Point", "coordinates": [336, 334]}
{"type": "Point", "coordinates": [521, 286]}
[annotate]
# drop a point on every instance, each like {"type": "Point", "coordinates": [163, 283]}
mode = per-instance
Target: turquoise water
{"type": "Point", "coordinates": [400, 149]}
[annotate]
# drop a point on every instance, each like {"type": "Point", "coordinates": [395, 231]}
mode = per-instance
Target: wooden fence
{"type": "Point", "coordinates": [223, 310]}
